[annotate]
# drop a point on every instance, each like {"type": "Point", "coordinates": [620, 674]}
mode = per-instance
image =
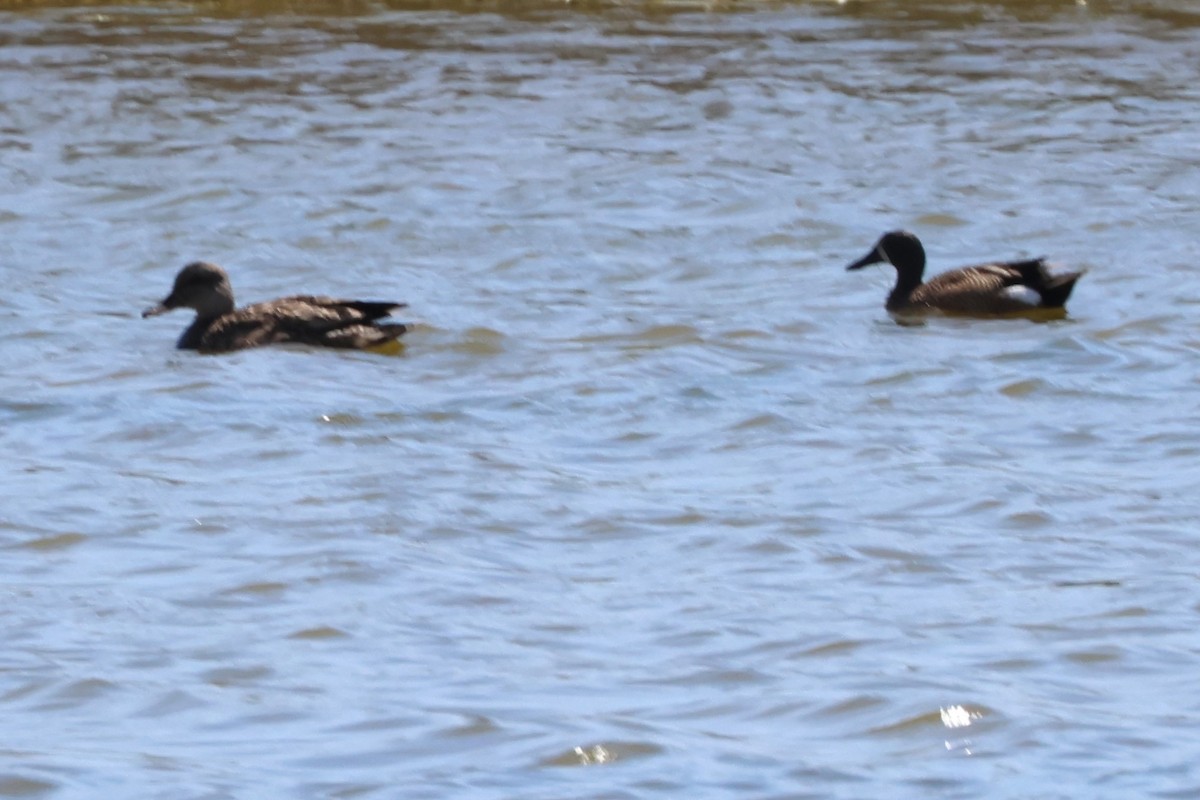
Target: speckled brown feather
{"type": "Point", "coordinates": [303, 319]}
{"type": "Point", "coordinates": [975, 290]}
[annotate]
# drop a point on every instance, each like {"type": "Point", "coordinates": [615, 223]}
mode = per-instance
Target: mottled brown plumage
{"type": "Point", "coordinates": [1009, 288]}
{"type": "Point", "coordinates": [301, 319]}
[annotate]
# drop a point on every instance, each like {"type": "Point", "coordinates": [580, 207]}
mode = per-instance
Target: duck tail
{"type": "Point", "coordinates": [372, 309]}
{"type": "Point", "coordinates": [1056, 289]}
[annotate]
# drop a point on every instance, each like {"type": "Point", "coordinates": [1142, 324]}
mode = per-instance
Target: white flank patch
{"type": "Point", "coordinates": [1023, 294]}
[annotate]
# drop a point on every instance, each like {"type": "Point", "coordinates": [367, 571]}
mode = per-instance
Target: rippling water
{"type": "Point", "coordinates": [657, 501]}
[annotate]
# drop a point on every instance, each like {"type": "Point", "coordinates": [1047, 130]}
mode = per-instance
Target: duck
{"type": "Point", "coordinates": [996, 289]}
{"type": "Point", "coordinates": [221, 327]}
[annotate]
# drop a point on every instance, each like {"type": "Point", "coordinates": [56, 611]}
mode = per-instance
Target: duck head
{"type": "Point", "coordinates": [201, 286]}
{"type": "Point", "coordinates": [901, 249]}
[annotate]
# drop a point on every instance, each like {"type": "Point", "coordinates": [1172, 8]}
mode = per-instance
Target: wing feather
{"type": "Point", "coordinates": [982, 289]}
{"type": "Point", "coordinates": [304, 319]}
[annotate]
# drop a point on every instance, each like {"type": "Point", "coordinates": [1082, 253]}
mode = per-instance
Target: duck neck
{"type": "Point", "coordinates": [908, 278]}
{"type": "Point", "coordinates": [190, 340]}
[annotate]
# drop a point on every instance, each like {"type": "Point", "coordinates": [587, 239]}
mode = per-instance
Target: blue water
{"type": "Point", "coordinates": [656, 501]}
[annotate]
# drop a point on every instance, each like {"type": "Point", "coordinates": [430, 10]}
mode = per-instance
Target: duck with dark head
{"type": "Point", "coordinates": [301, 319]}
{"type": "Point", "coordinates": [996, 289]}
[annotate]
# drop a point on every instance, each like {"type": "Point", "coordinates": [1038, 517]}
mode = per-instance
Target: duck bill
{"type": "Point", "coordinates": [161, 308]}
{"type": "Point", "coordinates": [870, 258]}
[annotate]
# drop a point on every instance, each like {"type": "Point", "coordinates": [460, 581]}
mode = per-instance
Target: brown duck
{"type": "Point", "coordinates": [302, 319]}
{"type": "Point", "coordinates": [998, 289]}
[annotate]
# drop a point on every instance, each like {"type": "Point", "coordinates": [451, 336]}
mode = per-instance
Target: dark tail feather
{"type": "Point", "coordinates": [392, 331]}
{"type": "Point", "coordinates": [371, 309]}
{"type": "Point", "coordinates": [1057, 289]}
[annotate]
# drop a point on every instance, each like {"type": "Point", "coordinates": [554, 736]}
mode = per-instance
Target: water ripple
{"type": "Point", "coordinates": [656, 499]}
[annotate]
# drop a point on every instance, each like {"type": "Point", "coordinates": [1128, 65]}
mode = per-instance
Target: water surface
{"type": "Point", "coordinates": [657, 501]}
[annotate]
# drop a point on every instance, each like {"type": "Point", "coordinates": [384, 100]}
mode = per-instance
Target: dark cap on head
{"type": "Point", "coordinates": [898, 248]}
